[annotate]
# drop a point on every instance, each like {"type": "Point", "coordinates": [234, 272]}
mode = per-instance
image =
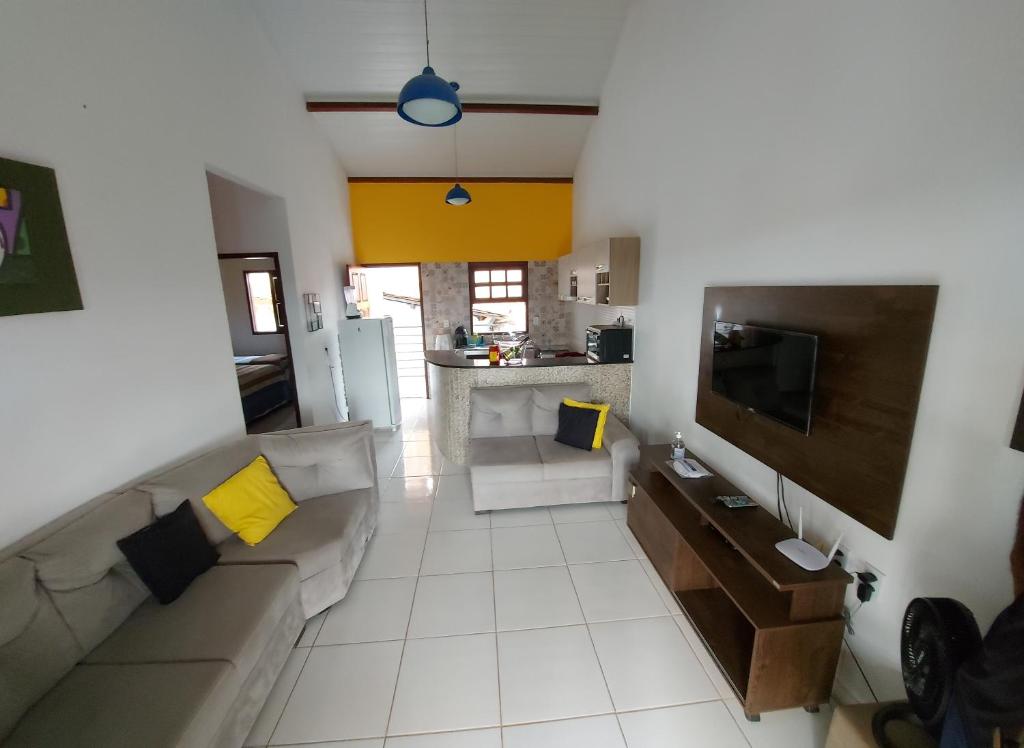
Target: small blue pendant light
{"type": "Point", "coordinates": [457, 195]}
{"type": "Point", "coordinates": [428, 99]}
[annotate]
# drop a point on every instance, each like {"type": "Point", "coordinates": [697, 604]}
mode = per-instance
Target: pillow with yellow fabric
{"type": "Point", "coordinates": [602, 410]}
{"type": "Point", "coordinates": [251, 503]}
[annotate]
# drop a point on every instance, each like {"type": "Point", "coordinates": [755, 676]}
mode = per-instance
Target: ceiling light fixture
{"type": "Point", "coordinates": [457, 195]}
{"type": "Point", "coordinates": [428, 99]}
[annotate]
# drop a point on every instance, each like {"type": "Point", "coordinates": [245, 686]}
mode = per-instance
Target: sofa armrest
{"type": "Point", "coordinates": [624, 449]}
{"type": "Point", "coordinates": [319, 460]}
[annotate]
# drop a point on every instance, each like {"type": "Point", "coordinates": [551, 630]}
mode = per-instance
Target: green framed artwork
{"type": "Point", "coordinates": [36, 271]}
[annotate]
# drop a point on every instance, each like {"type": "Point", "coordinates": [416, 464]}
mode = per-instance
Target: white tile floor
{"type": "Point", "coordinates": [533, 628]}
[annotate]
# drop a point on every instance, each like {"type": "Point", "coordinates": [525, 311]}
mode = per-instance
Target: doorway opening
{"type": "Point", "coordinates": [395, 291]}
{"type": "Point", "coordinates": [260, 343]}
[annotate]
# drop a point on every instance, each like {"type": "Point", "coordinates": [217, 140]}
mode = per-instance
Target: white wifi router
{"type": "Point", "coordinates": [802, 553]}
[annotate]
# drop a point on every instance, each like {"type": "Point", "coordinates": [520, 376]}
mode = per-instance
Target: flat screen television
{"type": "Point", "coordinates": [766, 371]}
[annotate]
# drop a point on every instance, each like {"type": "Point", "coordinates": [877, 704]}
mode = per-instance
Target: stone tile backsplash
{"type": "Point", "coordinates": [446, 297]}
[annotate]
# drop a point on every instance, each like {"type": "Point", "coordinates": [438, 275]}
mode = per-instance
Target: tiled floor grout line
{"type": "Point", "coordinates": [736, 722]}
{"type": "Point", "coordinates": [686, 639]}
{"type": "Point", "coordinates": [478, 633]}
{"type": "Point", "coordinates": [408, 624]}
{"type": "Point", "coordinates": [590, 636]}
{"type": "Point", "coordinates": [290, 692]}
{"type": "Point", "coordinates": [440, 477]}
{"type": "Point", "coordinates": [497, 655]}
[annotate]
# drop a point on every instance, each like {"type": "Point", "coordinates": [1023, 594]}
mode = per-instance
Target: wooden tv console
{"type": "Point", "coordinates": [774, 628]}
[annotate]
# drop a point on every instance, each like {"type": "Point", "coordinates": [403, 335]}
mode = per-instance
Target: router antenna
{"type": "Point", "coordinates": [800, 524]}
{"type": "Point", "coordinates": [835, 547]}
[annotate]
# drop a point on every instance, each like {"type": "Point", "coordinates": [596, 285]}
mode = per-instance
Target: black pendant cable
{"type": "Point", "coordinates": [780, 499]}
{"type": "Point", "coordinates": [457, 195]}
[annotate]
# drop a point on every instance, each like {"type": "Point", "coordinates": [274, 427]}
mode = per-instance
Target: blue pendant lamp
{"type": "Point", "coordinates": [457, 195]}
{"type": "Point", "coordinates": [428, 99]}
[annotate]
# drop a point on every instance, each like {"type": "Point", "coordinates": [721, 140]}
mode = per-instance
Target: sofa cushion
{"type": "Point", "coordinates": [170, 553]}
{"type": "Point", "coordinates": [180, 704]}
{"type": "Point", "coordinates": [577, 427]}
{"type": "Point", "coordinates": [85, 572]}
{"type": "Point", "coordinates": [561, 462]}
{"type": "Point", "coordinates": [504, 459]}
{"type": "Point", "coordinates": [500, 411]}
{"type": "Point", "coordinates": [546, 399]}
{"type": "Point", "coordinates": [314, 537]}
{"type": "Point", "coordinates": [251, 502]}
{"type": "Point", "coordinates": [229, 613]}
{"type": "Point", "coordinates": [602, 417]}
{"type": "Point", "coordinates": [198, 477]}
{"type": "Point", "coordinates": [37, 648]}
{"type": "Point", "coordinates": [326, 461]}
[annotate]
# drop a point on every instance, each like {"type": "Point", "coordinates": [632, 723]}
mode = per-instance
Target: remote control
{"type": "Point", "coordinates": [736, 502]}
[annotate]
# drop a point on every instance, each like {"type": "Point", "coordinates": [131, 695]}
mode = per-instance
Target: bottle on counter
{"type": "Point", "coordinates": [494, 355]}
{"type": "Point", "coordinates": [678, 447]}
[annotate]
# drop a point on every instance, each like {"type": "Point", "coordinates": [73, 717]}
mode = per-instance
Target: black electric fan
{"type": "Point", "coordinates": [938, 635]}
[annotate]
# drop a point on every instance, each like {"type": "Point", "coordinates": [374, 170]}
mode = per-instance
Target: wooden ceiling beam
{"type": "Point", "coordinates": [467, 108]}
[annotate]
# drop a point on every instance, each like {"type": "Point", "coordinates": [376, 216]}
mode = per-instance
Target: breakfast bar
{"type": "Point", "coordinates": [452, 374]}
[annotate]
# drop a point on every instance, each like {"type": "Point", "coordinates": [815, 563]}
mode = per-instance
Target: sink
{"type": "Point", "coordinates": [474, 352]}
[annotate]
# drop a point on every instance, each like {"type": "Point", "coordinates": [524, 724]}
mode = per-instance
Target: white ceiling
{"type": "Point", "coordinates": [518, 51]}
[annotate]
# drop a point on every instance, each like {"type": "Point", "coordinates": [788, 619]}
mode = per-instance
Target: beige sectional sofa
{"type": "Point", "coordinates": [89, 658]}
{"type": "Point", "coordinates": [515, 462]}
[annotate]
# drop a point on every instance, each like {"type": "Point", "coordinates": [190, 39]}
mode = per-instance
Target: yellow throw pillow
{"type": "Point", "coordinates": [251, 502]}
{"type": "Point", "coordinates": [602, 418]}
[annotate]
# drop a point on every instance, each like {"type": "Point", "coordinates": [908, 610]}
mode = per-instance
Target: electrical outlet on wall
{"type": "Point", "coordinates": [865, 567]}
{"type": "Point", "coordinates": [842, 557]}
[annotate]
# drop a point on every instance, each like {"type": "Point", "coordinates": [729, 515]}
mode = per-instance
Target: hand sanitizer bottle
{"type": "Point", "coordinates": [678, 448]}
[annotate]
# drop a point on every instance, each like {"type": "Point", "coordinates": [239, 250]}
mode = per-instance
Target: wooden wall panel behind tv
{"type": "Point", "coordinates": [873, 343]}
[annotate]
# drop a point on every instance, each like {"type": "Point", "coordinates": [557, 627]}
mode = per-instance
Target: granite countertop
{"type": "Point", "coordinates": [455, 360]}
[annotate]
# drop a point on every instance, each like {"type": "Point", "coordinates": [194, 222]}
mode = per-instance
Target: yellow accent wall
{"type": "Point", "coordinates": [410, 222]}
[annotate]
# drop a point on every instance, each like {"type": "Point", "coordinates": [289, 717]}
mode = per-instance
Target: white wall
{"type": "Point", "coordinates": [807, 142]}
{"type": "Point", "coordinates": [244, 342]}
{"type": "Point", "coordinates": [131, 103]}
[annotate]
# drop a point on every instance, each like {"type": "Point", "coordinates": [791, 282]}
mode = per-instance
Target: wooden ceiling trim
{"type": "Point", "coordinates": [575, 110]}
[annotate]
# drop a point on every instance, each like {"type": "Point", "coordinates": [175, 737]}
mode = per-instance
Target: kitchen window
{"type": "Point", "coordinates": [498, 297]}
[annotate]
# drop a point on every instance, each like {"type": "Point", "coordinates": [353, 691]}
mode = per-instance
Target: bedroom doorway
{"type": "Point", "coordinates": [385, 290]}
{"type": "Point", "coordinates": [260, 342]}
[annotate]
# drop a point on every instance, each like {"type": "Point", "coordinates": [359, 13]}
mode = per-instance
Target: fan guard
{"type": "Point", "coordinates": [938, 635]}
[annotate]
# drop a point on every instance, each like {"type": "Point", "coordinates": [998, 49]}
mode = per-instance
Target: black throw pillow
{"type": "Point", "coordinates": [170, 553]}
{"type": "Point", "coordinates": [576, 426]}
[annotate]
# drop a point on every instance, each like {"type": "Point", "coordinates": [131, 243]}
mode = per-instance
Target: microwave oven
{"type": "Point", "coordinates": [610, 344]}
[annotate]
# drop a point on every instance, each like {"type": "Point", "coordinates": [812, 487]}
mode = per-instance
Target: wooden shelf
{"type": "Point", "coordinates": [754, 596]}
{"type": "Point", "coordinates": [773, 628]}
{"type": "Point", "coordinates": [754, 530]}
{"type": "Point", "coordinates": [727, 634]}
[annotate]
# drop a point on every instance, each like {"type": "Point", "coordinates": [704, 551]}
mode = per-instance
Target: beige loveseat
{"type": "Point", "coordinates": [514, 460]}
{"type": "Point", "coordinates": [89, 658]}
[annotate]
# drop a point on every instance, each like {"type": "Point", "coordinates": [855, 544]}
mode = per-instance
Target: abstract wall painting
{"type": "Point", "coordinates": [37, 273]}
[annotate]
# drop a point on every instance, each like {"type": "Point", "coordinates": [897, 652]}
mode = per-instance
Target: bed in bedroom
{"type": "Point", "coordinates": [263, 383]}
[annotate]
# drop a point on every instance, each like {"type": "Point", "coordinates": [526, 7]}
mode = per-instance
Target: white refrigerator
{"type": "Point", "coordinates": [370, 369]}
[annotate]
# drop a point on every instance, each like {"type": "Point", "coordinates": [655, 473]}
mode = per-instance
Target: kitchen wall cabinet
{"type": "Point", "coordinates": [586, 275]}
{"type": "Point", "coordinates": [607, 271]}
{"type": "Point", "coordinates": [566, 277]}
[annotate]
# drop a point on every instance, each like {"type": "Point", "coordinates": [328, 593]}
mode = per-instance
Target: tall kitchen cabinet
{"type": "Point", "coordinates": [605, 273]}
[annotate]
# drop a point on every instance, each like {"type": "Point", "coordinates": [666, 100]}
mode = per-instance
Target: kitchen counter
{"type": "Point", "coordinates": [456, 360]}
{"type": "Point", "coordinates": [452, 376]}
